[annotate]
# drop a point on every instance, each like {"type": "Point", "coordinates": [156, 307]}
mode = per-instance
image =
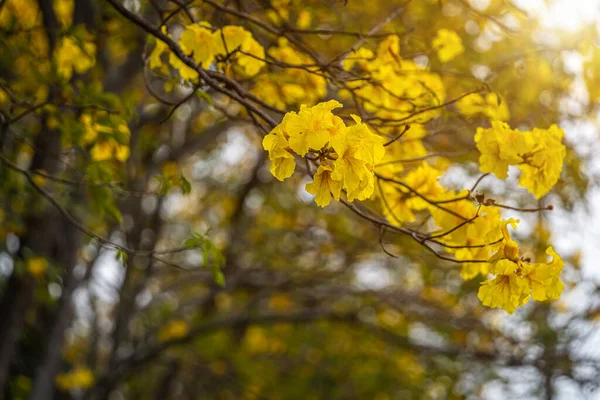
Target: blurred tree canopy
{"type": "Point", "coordinates": [284, 199]}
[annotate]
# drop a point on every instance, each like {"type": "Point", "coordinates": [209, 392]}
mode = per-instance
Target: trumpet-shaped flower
{"type": "Point", "coordinates": [517, 280]}
{"type": "Point", "coordinates": [357, 149]}
{"type": "Point", "coordinates": [544, 278]}
{"type": "Point", "coordinates": [324, 186]}
{"type": "Point", "coordinates": [500, 147]}
{"type": "Point", "coordinates": [198, 41]}
{"type": "Point", "coordinates": [309, 128]}
{"type": "Point", "coordinates": [539, 154]}
{"type": "Point", "coordinates": [542, 164]}
{"type": "Point", "coordinates": [282, 161]}
{"type": "Point", "coordinates": [505, 291]}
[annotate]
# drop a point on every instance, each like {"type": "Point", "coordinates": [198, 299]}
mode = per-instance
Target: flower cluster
{"type": "Point", "coordinates": [476, 240]}
{"type": "Point", "coordinates": [346, 154]}
{"type": "Point", "coordinates": [475, 234]}
{"type": "Point", "coordinates": [79, 377]}
{"type": "Point", "coordinates": [231, 44]}
{"type": "Point", "coordinates": [399, 203]}
{"type": "Point", "coordinates": [396, 88]}
{"type": "Point", "coordinates": [75, 53]}
{"type": "Point", "coordinates": [516, 279]}
{"type": "Point", "coordinates": [490, 105]}
{"type": "Point", "coordinates": [448, 45]}
{"type": "Point", "coordinates": [108, 135]}
{"type": "Point", "coordinates": [282, 87]}
{"type": "Point", "coordinates": [486, 237]}
{"type": "Point", "coordinates": [538, 153]}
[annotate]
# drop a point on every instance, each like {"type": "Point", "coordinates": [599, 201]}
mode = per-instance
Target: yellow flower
{"type": "Point", "coordinates": [238, 41]}
{"type": "Point", "coordinates": [25, 12]}
{"type": "Point", "coordinates": [230, 38]}
{"type": "Point", "coordinates": [199, 41]}
{"type": "Point", "coordinates": [251, 65]}
{"type": "Point", "coordinates": [505, 291]}
{"type": "Point", "coordinates": [90, 129]}
{"type": "Point", "coordinates": [293, 93]}
{"type": "Point", "coordinates": [480, 237]}
{"type": "Point", "coordinates": [101, 151]}
{"type": "Point", "coordinates": [160, 47]}
{"type": "Point", "coordinates": [508, 248]}
{"type": "Point", "coordinates": [170, 169]}
{"type": "Point", "coordinates": [351, 167]}
{"type": "Point", "coordinates": [544, 277]}
{"type": "Point", "coordinates": [309, 128]}
{"type": "Point", "coordinates": [175, 329]}
{"type": "Point", "coordinates": [448, 45]}
{"type": "Point", "coordinates": [355, 150]}
{"type": "Point", "coordinates": [106, 150]}
{"type": "Point", "coordinates": [78, 378]}
{"type": "Point", "coordinates": [186, 73]}
{"type": "Point", "coordinates": [424, 180]}
{"type": "Point", "coordinates": [282, 161]}
{"type": "Point", "coordinates": [411, 368]}
{"type": "Point", "coordinates": [470, 270]}
{"type": "Point", "coordinates": [388, 50]}
{"type": "Point", "coordinates": [273, 87]}
{"type": "Point", "coordinates": [490, 105]}
{"type": "Point", "coordinates": [457, 212]}
{"type": "Point", "coordinates": [399, 202]}
{"type": "Point", "coordinates": [393, 204]}
{"type": "Point", "coordinates": [64, 11]}
{"type": "Point", "coordinates": [539, 154]}
{"type": "Point", "coordinates": [304, 19]}
{"type": "Point", "coordinates": [37, 266]}
{"type": "Point", "coordinates": [255, 340]}
{"type": "Point", "coordinates": [155, 61]}
{"type": "Point", "coordinates": [542, 164]}
{"type": "Point", "coordinates": [500, 147]}
{"type": "Point", "coordinates": [324, 186]}
{"type": "Point", "coordinates": [121, 152]}
{"type": "Point", "coordinates": [517, 280]}
{"type": "Point", "coordinates": [364, 190]}
{"type": "Point", "coordinates": [370, 146]}
{"type": "Point", "coordinates": [396, 88]}
{"type": "Point", "coordinates": [484, 232]}
{"type": "Point", "coordinates": [361, 57]}
{"type": "Point", "coordinates": [71, 56]}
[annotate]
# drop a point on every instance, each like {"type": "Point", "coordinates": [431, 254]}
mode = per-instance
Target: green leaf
{"type": "Point", "coordinates": [202, 95]}
{"type": "Point", "coordinates": [219, 277]}
{"type": "Point", "coordinates": [113, 211]}
{"type": "Point", "coordinates": [213, 258]}
{"type": "Point", "coordinates": [122, 256]}
{"type": "Point", "coordinates": [186, 186]}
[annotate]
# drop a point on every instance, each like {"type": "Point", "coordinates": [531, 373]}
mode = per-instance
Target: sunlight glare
{"type": "Point", "coordinates": [568, 15]}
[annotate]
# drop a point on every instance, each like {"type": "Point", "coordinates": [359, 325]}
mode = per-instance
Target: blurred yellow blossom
{"type": "Point", "coordinates": [448, 45]}
{"type": "Point", "coordinates": [174, 329]}
{"type": "Point", "coordinates": [78, 378]}
{"type": "Point", "coordinates": [37, 266]}
{"type": "Point", "coordinates": [72, 54]}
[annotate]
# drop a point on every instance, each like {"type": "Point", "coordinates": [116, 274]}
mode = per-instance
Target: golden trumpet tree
{"type": "Point", "coordinates": [292, 199]}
